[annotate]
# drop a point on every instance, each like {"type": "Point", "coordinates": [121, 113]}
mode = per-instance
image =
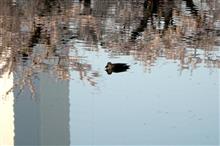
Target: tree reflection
{"type": "Point", "coordinates": [35, 34]}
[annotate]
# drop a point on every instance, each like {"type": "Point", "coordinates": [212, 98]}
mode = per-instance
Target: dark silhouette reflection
{"type": "Point", "coordinates": [36, 36]}
{"type": "Point", "coordinates": [150, 7]}
{"type": "Point", "coordinates": [161, 10]}
{"type": "Point", "coordinates": [87, 3]}
{"type": "Point", "coordinates": [116, 67]}
{"type": "Point", "coordinates": [192, 7]}
{"type": "Point", "coordinates": [49, 7]}
{"type": "Point", "coordinates": [87, 10]}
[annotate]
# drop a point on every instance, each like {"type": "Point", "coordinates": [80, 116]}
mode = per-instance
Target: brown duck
{"type": "Point", "coordinates": [116, 67]}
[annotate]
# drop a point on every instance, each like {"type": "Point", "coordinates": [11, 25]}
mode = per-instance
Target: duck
{"type": "Point", "coordinates": [116, 67]}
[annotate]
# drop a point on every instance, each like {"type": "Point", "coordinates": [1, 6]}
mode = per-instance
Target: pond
{"type": "Point", "coordinates": [99, 72]}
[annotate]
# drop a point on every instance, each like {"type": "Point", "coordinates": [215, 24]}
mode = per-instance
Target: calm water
{"type": "Point", "coordinates": [54, 89]}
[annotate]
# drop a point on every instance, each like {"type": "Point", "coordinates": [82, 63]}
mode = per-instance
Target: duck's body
{"type": "Point", "coordinates": [116, 67]}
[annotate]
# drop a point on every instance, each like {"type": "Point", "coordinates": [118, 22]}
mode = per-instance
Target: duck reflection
{"type": "Point", "coordinates": [116, 67]}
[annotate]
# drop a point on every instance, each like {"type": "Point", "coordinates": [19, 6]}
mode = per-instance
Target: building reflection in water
{"type": "Point", "coordinates": [34, 104]}
{"type": "Point", "coordinates": [44, 120]}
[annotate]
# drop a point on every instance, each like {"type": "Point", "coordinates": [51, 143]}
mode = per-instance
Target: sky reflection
{"type": "Point", "coordinates": [146, 107]}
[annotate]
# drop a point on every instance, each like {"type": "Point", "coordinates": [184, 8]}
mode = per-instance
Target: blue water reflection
{"type": "Point", "coordinates": [160, 106]}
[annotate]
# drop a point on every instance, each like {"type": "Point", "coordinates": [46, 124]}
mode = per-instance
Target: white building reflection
{"type": "Point", "coordinates": [6, 110]}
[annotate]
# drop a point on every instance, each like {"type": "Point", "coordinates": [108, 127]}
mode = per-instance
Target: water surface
{"type": "Point", "coordinates": [55, 91]}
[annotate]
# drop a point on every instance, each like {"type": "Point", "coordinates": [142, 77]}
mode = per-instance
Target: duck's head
{"type": "Point", "coordinates": [109, 66]}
